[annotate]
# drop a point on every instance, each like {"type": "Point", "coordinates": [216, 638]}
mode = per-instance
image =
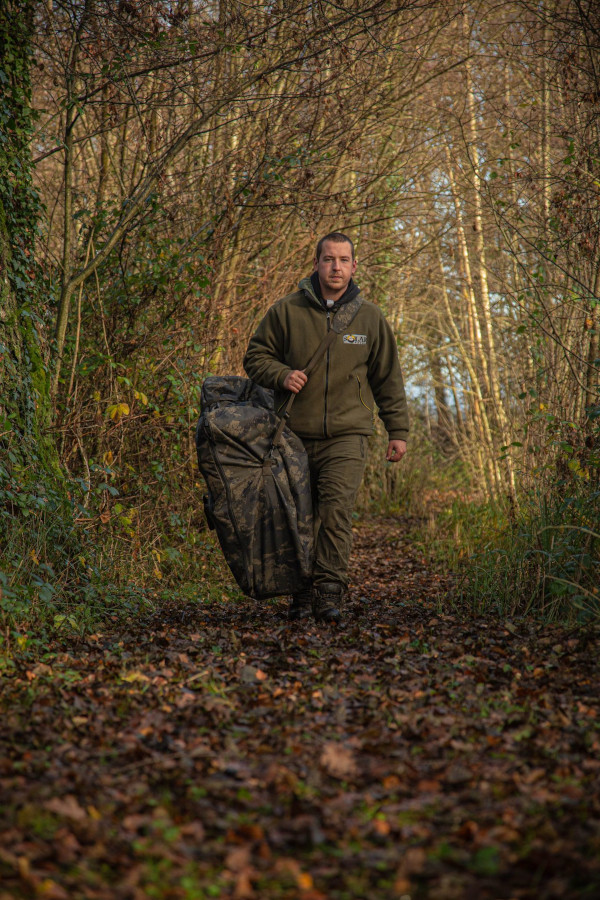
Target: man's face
{"type": "Point", "coordinates": [335, 268]}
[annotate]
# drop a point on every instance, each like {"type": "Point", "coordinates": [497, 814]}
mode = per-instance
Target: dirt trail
{"type": "Point", "coordinates": [220, 752]}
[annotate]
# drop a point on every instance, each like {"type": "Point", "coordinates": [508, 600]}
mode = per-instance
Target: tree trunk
{"type": "Point", "coordinates": [71, 115]}
{"type": "Point", "coordinates": [592, 398]}
{"type": "Point", "coordinates": [480, 252]}
{"type": "Point", "coordinates": [478, 363]}
{"type": "Point", "coordinates": [483, 438]}
{"type": "Point", "coordinates": [24, 380]}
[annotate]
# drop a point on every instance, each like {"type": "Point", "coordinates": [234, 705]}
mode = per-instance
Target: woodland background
{"type": "Point", "coordinates": [165, 171]}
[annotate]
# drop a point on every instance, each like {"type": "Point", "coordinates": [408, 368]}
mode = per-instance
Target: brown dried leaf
{"type": "Point", "coordinates": [68, 807]}
{"type": "Point", "coordinates": [338, 761]}
{"type": "Point", "coordinates": [238, 858]}
{"type": "Point", "coordinates": [243, 889]}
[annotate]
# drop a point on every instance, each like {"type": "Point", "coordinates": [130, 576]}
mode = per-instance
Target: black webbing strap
{"type": "Point", "coordinates": [340, 322]}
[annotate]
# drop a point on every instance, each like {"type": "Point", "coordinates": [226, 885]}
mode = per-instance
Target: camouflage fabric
{"type": "Point", "coordinates": [259, 504]}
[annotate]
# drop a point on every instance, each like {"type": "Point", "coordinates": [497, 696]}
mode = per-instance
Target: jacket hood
{"type": "Point", "coordinates": [311, 288]}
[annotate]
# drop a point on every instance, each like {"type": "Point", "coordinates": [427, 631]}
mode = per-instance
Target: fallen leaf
{"type": "Point", "coordinates": [135, 676]}
{"type": "Point", "coordinates": [456, 774]}
{"type": "Point", "coordinates": [243, 889]}
{"type": "Point", "coordinates": [67, 807]}
{"type": "Point", "coordinates": [338, 761]}
{"type": "Point", "coordinates": [238, 858]}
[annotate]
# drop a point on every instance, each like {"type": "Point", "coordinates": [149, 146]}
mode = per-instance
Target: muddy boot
{"type": "Point", "coordinates": [301, 605]}
{"type": "Point", "coordinates": [327, 602]}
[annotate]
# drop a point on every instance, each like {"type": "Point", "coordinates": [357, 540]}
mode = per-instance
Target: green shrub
{"type": "Point", "coordinates": [546, 563]}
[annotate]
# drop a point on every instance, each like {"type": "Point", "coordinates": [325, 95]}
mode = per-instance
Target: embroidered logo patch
{"type": "Point", "coordinates": [355, 339]}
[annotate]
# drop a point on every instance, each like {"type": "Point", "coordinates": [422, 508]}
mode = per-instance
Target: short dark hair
{"type": "Point", "coordinates": [338, 238]}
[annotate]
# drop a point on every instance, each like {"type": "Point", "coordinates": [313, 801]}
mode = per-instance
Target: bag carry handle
{"type": "Point", "coordinates": [341, 321]}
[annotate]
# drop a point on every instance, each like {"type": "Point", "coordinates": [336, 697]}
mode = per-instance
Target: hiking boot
{"type": "Point", "coordinates": [327, 602]}
{"type": "Point", "coordinates": [301, 605]}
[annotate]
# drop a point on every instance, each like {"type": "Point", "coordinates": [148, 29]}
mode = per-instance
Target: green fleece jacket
{"type": "Point", "coordinates": [360, 370]}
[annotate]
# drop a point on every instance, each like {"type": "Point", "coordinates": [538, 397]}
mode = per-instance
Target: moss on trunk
{"type": "Point", "coordinates": [25, 410]}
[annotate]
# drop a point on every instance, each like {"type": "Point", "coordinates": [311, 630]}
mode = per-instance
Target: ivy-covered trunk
{"type": "Point", "coordinates": [25, 411]}
{"type": "Point", "coordinates": [36, 535]}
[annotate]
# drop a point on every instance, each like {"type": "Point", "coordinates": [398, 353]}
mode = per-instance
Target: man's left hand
{"type": "Point", "coordinates": [395, 451]}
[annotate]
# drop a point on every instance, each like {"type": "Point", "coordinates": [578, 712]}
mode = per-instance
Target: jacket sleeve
{"type": "Point", "coordinates": [385, 380]}
{"type": "Point", "coordinates": [263, 359]}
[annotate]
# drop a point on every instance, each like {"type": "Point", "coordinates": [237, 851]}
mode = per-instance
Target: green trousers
{"type": "Point", "coordinates": [337, 467]}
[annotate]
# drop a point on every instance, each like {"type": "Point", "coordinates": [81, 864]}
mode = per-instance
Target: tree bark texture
{"type": "Point", "coordinates": [24, 382]}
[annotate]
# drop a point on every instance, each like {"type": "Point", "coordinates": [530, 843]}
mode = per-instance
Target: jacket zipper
{"type": "Point", "coordinates": [326, 379]}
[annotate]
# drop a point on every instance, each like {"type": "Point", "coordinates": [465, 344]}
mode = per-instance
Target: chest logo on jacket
{"type": "Point", "coordinates": [355, 339]}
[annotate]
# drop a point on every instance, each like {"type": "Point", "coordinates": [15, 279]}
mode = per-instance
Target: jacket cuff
{"type": "Point", "coordinates": [398, 435]}
{"type": "Point", "coordinates": [282, 376]}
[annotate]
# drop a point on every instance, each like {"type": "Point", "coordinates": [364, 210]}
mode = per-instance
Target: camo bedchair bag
{"type": "Point", "coordinates": [258, 499]}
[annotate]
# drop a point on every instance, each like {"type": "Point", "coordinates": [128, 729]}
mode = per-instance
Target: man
{"type": "Point", "coordinates": [333, 410]}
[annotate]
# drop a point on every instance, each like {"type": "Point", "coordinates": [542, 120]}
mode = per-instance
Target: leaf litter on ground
{"type": "Point", "coordinates": [216, 750]}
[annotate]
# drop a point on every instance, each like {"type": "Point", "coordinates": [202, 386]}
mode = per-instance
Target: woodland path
{"type": "Point", "coordinates": [216, 751]}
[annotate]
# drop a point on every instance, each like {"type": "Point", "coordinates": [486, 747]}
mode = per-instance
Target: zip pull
{"type": "Point", "coordinates": [328, 320]}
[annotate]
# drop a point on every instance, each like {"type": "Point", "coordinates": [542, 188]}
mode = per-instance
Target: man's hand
{"type": "Point", "coordinates": [295, 381]}
{"type": "Point", "coordinates": [395, 451]}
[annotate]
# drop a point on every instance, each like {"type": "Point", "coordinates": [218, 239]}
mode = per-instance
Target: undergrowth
{"type": "Point", "coordinates": [418, 486]}
{"type": "Point", "coordinates": [544, 562]}
{"type": "Point", "coordinates": [73, 557]}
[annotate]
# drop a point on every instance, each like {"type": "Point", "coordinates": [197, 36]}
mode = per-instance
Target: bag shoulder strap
{"type": "Point", "coordinates": [341, 320]}
{"type": "Point", "coordinates": [345, 314]}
